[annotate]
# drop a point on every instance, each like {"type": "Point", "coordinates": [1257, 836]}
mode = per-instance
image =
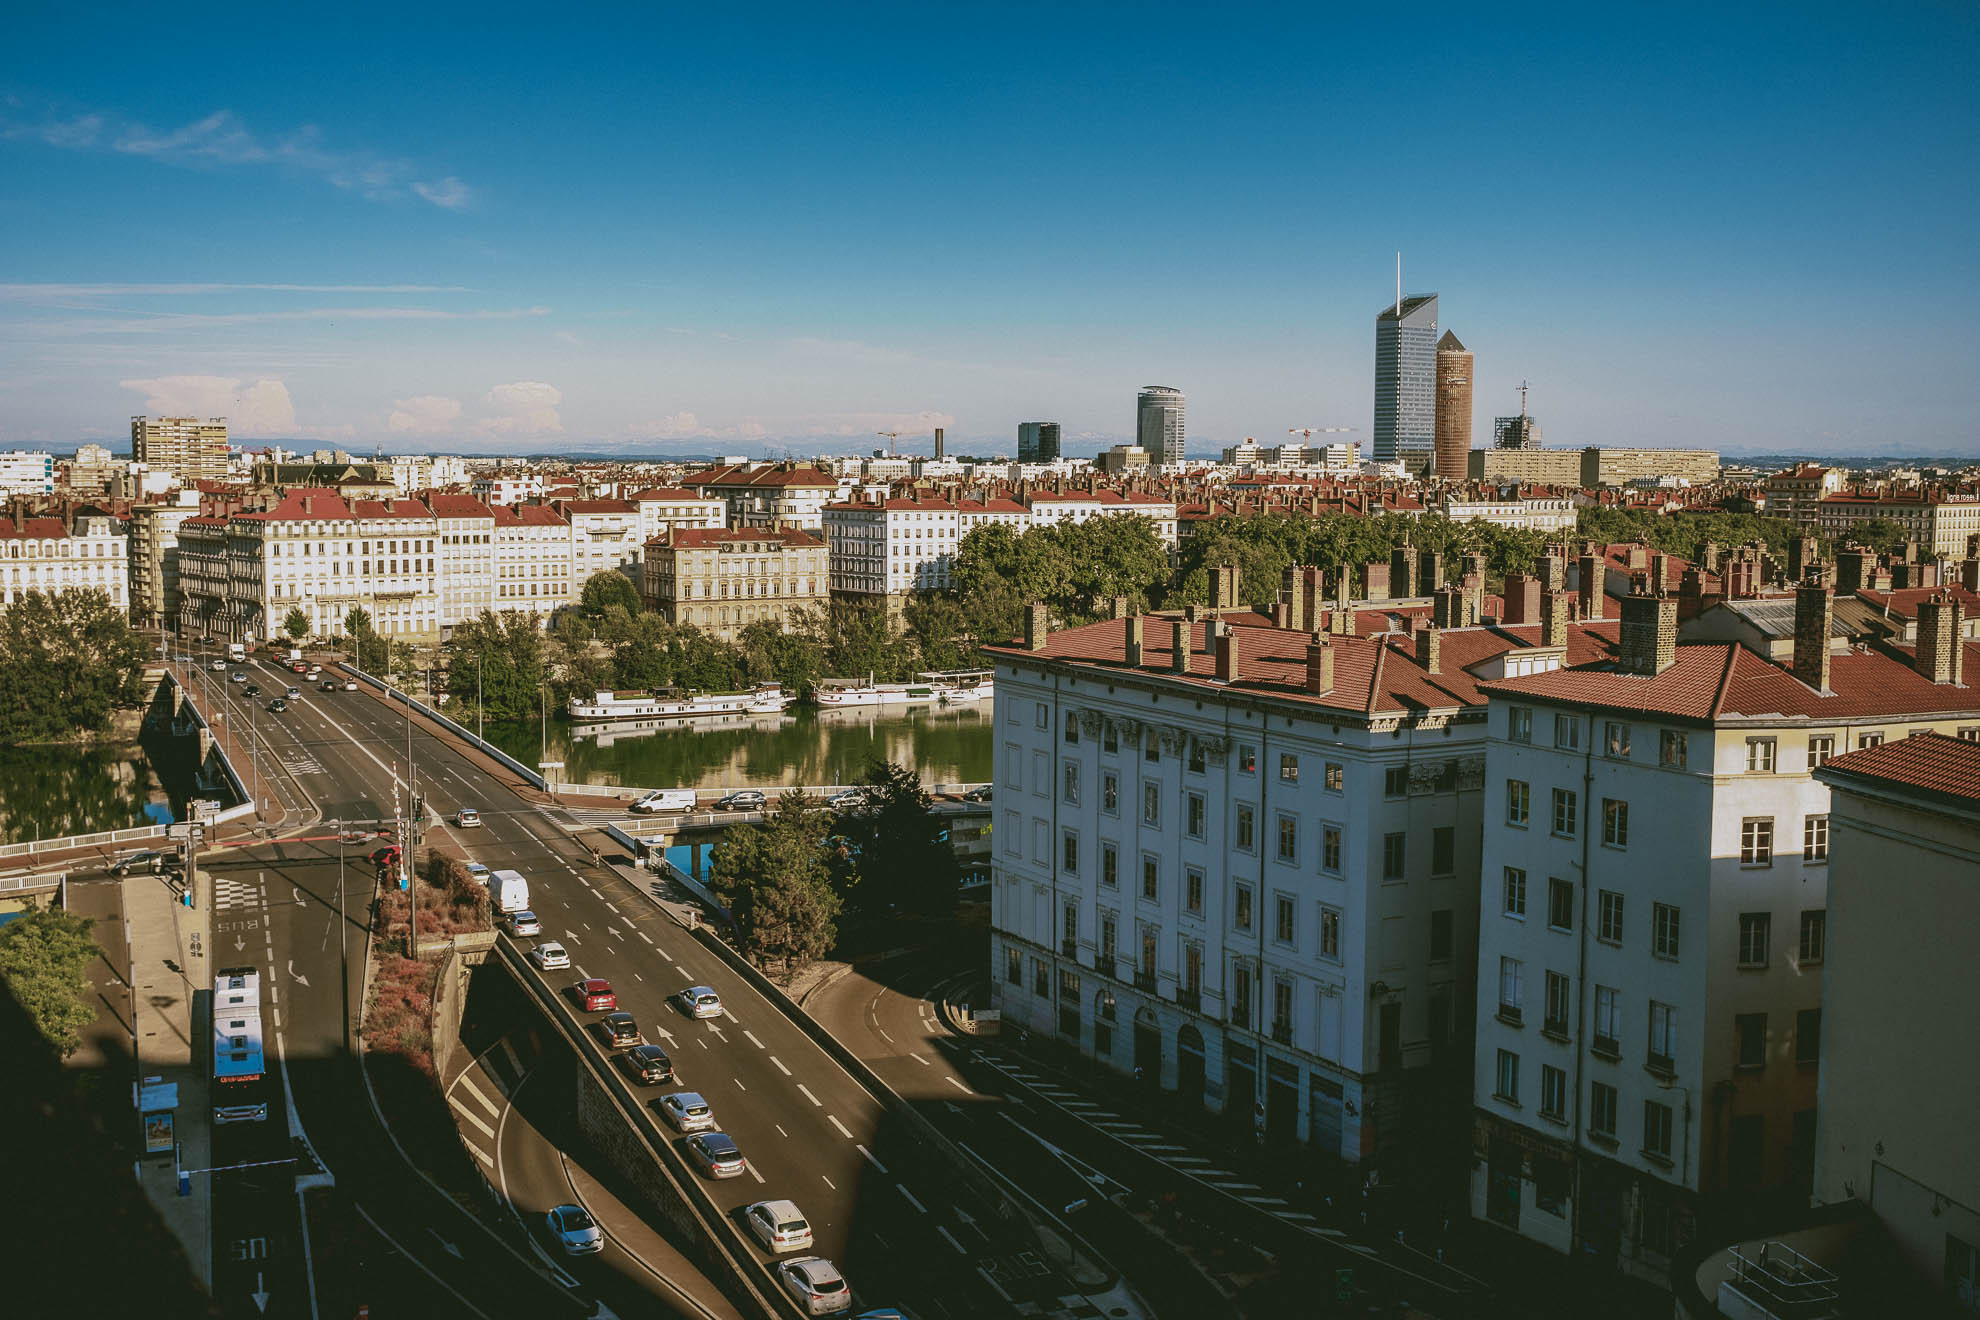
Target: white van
{"type": "Point", "coordinates": [511, 891]}
{"type": "Point", "coordinates": [666, 799]}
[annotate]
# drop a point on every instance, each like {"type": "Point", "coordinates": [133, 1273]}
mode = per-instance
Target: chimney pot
{"type": "Point", "coordinates": [1037, 626]}
{"type": "Point", "coordinates": [1179, 647]}
{"type": "Point", "coordinates": [1814, 604]}
{"type": "Point", "coordinates": [1319, 666]}
{"type": "Point", "coordinates": [1227, 656]}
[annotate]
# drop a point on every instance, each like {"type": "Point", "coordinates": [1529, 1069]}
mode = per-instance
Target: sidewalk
{"type": "Point", "coordinates": [170, 1046]}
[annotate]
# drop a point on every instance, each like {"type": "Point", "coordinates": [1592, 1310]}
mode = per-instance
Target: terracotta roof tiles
{"type": "Point", "coordinates": [1942, 766]}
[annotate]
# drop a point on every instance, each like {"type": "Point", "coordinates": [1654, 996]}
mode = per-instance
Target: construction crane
{"type": "Point", "coordinates": [891, 436]}
{"type": "Point", "coordinates": [1306, 433]}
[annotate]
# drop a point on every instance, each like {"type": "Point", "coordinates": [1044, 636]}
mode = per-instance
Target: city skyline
{"type": "Point", "coordinates": [486, 248]}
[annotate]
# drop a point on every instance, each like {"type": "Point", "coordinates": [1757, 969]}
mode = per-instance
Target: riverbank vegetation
{"type": "Point", "coordinates": [67, 662]}
{"type": "Point", "coordinates": [45, 955]}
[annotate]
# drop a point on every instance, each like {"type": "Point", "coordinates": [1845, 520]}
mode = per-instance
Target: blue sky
{"type": "Point", "coordinates": [476, 231]}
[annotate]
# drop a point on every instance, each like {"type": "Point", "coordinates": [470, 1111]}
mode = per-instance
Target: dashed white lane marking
{"type": "Point", "coordinates": [883, 1033]}
{"type": "Point", "coordinates": [643, 935]}
{"type": "Point", "coordinates": [479, 1153]}
{"type": "Point", "coordinates": [814, 1099]}
{"type": "Point", "coordinates": [750, 1036]}
{"type": "Point", "coordinates": [475, 1119]}
{"type": "Point", "coordinates": [958, 1085]}
{"type": "Point", "coordinates": [829, 1183]}
{"type": "Point", "coordinates": [753, 1173]}
{"type": "Point", "coordinates": [608, 905]}
{"type": "Point", "coordinates": [468, 1084]}
{"type": "Point", "coordinates": [834, 1120]}
{"type": "Point", "coordinates": [739, 1083]}
{"type": "Point", "coordinates": [869, 1158]}
{"type": "Point", "coordinates": [780, 1065]}
{"type": "Point", "coordinates": [780, 1130]}
{"type": "Point", "coordinates": [911, 1199]}
{"type": "Point", "coordinates": [950, 1238]}
{"type": "Point", "coordinates": [918, 1059]}
{"type": "Point", "coordinates": [509, 1052]}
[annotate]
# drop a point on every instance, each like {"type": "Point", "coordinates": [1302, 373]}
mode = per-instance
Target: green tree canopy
{"type": "Point", "coordinates": [900, 855]}
{"type": "Point", "coordinates": [603, 590]}
{"type": "Point", "coordinates": [1883, 535]}
{"type": "Point", "coordinates": [773, 875]}
{"type": "Point", "coordinates": [66, 661]}
{"type": "Point", "coordinates": [44, 958]}
{"type": "Point", "coordinates": [296, 623]}
{"type": "Point", "coordinates": [505, 653]}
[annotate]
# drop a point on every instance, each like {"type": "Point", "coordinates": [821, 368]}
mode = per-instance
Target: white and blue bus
{"type": "Point", "coordinates": [240, 1087]}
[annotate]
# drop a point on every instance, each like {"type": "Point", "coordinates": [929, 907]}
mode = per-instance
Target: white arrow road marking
{"type": "Point", "coordinates": [450, 1248]}
{"type": "Point", "coordinates": [260, 1293]}
{"type": "Point", "coordinates": [299, 977]}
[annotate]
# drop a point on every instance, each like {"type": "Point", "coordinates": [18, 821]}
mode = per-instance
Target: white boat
{"type": "Point", "coordinates": [960, 685]}
{"type": "Point", "coordinates": [842, 693]}
{"type": "Point", "coordinates": [605, 733]}
{"type": "Point", "coordinates": [764, 698]}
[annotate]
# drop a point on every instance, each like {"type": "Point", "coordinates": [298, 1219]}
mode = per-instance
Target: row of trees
{"type": "Point", "coordinates": [67, 660]}
{"type": "Point", "coordinates": [787, 878]}
{"type": "Point", "coordinates": [44, 959]}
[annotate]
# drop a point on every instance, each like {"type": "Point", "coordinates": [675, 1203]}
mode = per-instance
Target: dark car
{"type": "Point", "coordinates": [648, 1065]}
{"type": "Point", "coordinates": [277, 706]}
{"type": "Point", "coordinates": [620, 1030]}
{"type": "Point", "coordinates": [743, 799]}
{"type": "Point", "coordinates": [251, 690]}
{"type": "Point", "coordinates": [981, 793]}
{"type": "Point", "coordinates": [327, 685]}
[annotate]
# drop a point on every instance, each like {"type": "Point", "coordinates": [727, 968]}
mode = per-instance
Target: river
{"type": "Point", "coordinates": [64, 789]}
{"type": "Point", "coordinates": [945, 744]}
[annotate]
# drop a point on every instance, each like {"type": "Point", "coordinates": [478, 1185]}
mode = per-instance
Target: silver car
{"type": "Point", "coordinates": [716, 1154]}
{"type": "Point", "coordinates": [778, 1225]}
{"type": "Point", "coordinates": [686, 1111]}
{"type": "Point", "coordinates": [576, 1231]}
{"type": "Point", "coordinates": [815, 1284]}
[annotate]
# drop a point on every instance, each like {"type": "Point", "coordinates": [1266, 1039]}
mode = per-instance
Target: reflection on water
{"type": "Point", "coordinates": [946, 744]}
{"type": "Point", "coordinates": [53, 792]}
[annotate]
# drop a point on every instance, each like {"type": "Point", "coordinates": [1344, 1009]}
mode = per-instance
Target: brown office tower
{"type": "Point", "coordinates": [1453, 408]}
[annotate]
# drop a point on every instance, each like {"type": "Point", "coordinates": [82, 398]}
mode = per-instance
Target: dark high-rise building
{"type": "Point", "coordinates": [1158, 424]}
{"type": "Point", "coordinates": [1406, 381]}
{"type": "Point", "coordinates": [1453, 407]}
{"type": "Point", "coordinates": [1521, 432]}
{"type": "Point", "coordinates": [1038, 442]}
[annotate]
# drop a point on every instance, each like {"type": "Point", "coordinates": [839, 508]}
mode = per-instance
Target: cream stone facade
{"type": "Point", "coordinates": [721, 580]}
{"type": "Point", "coordinates": [88, 550]}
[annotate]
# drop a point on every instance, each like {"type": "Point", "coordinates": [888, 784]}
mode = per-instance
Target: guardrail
{"type": "Point", "coordinates": [393, 694]}
{"type": "Point", "coordinates": [632, 844]}
{"type": "Point", "coordinates": [33, 847]}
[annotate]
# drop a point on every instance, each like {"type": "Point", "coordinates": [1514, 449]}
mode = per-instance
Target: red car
{"type": "Point", "coordinates": [597, 995]}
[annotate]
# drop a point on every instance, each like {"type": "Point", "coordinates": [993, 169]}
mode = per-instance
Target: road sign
{"type": "Point", "coordinates": [549, 765]}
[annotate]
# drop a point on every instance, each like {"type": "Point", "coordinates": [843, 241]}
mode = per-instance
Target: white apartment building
{"type": "Point", "coordinates": [412, 473]}
{"type": "Point", "coordinates": [1654, 920]}
{"type": "Point", "coordinates": [465, 537]}
{"type": "Point", "coordinates": [154, 558]}
{"type": "Point", "coordinates": [724, 579]}
{"type": "Point", "coordinates": [1940, 524]}
{"type": "Point", "coordinates": [507, 487]}
{"type": "Point", "coordinates": [1534, 513]}
{"type": "Point", "coordinates": [1246, 866]}
{"type": "Point", "coordinates": [26, 472]}
{"type": "Point", "coordinates": [768, 494]}
{"type": "Point", "coordinates": [54, 555]}
{"type": "Point", "coordinates": [664, 508]}
{"type": "Point", "coordinates": [1338, 457]}
{"type": "Point", "coordinates": [533, 568]}
{"type": "Point", "coordinates": [604, 537]}
{"type": "Point", "coordinates": [889, 548]}
{"type": "Point", "coordinates": [1049, 508]}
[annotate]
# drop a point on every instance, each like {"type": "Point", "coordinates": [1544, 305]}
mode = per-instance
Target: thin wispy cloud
{"type": "Point", "coordinates": [223, 139]}
{"type": "Point", "coordinates": [177, 322]}
{"type": "Point", "coordinates": [35, 292]}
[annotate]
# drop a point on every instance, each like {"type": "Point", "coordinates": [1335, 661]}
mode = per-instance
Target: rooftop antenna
{"type": "Point", "coordinates": [1522, 402]}
{"type": "Point", "coordinates": [1399, 286]}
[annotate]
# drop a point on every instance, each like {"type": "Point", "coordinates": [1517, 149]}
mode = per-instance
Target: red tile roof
{"type": "Point", "coordinates": [392, 508]}
{"type": "Point", "coordinates": [1904, 604]}
{"type": "Point", "coordinates": [306, 505]}
{"type": "Point", "coordinates": [34, 529]}
{"type": "Point", "coordinates": [1942, 766]}
{"type": "Point", "coordinates": [527, 515]}
{"type": "Point", "coordinates": [457, 506]}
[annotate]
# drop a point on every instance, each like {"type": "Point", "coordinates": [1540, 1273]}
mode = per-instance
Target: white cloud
{"type": "Point", "coordinates": [425, 414]}
{"type": "Point", "coordinates": [524, 407]}
{"type": "Point", "coordinates": [179, 322]}
{"type": "Point", "coordinates": [685, 425]}
{"type": "Point", "coordinates": [262, 408]}
{"type": "Point", "coordinates": [30, 292]}
{"type": "Point", "coordinates": [449, 192]}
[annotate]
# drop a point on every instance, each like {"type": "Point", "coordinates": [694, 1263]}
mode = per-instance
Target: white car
{"type": "Point", "coordinates": [665, 799]}
{"type": "Point", "coordinates": [686, 1111]}
{"type": "Point", "coordinates": [698, 1001]}
{"type": "Point", "coordinates": [478, 873]}
{"type": "Point", "coordinates": [238, 676]}
{"type": "Point", "coordinates": [778, 1225]}
{"type": "Point", "coordinates": [216, 664]}
{"type": "Point", "coordinates": [576, 1231]}
{"type": "Point", "coordinates": [350, 685]}
{"type": "Point", "coordinates": [550, 956]}
{"type": "Point", "coordinates": [815, 1284]}
{"type": "Point", "coordinates": [467, 818]}
{"type": "Point", "coordinates": [524, 923]}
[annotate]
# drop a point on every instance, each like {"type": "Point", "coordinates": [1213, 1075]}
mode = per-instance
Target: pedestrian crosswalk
{"type": "Point", "coordinates": [1158, 1146]}
{"type": "Point", "coordinates": [228, 893]}
{"type": "Point", "coordinates": [302, 763]}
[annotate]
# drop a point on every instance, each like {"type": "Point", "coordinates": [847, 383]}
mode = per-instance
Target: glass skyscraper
{"type": "Point", "coordinates": [1406, 382]}
{"type": "Point", "coordinates": [1038, 442]}
{"type": "Point", "coordinates": [1158, 423]}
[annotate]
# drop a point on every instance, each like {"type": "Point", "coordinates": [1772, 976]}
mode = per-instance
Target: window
{"type": "Point", "coordinates": [1392, 856]}
{"type": "Point", "coordinates": [1151, 877]}
{"type": "Point", "coordinates": [1750, 1038]}
{"type": "Point", "coordinates": [1664, 930]}
{"type": "Point", "coordinates": [1247, 759]}
{"type": "Point", "coordinates": [1518, 802]}
{"type": "Point", "coordinates": [1335, 777]}
{"type": "Point", "coordinates": [1013, 766]}
{"type": "Point", "coordinates": [1441, 939]}
{"type": "Point", "coordinates": [1193, 814]}
{"type": "Point", "coordinates": [1193, 968]}
{"type": "Point", "coordinates": [1395, 781]}
{"type": "Point", "coordinates": [1197, 758]}
{"type": "Point", "coordinates": [1754, 928]}
{"type": "Point", "coordinates": [1330, 932]}
{"type": "Point", "coordinates": [1615, 823]}
{"type": "Point", "coordinates": [1969, 733]}
{"type": "Point", "coordinates": [1663, 1037]}
{"type": "Point", "coordinates": [1553, 1092]}
{"type": "Point", "coordinates": [1072, 728]}
{"type": "Point", "coordinates": [1289, 767]}
{"type": "Point", "coordinates": [1282, 918]}
{"type": "Point", "coordinates": [1151, 804]}
{"type": "Point", "coordinates": [1820, 749]}
{"type": "Point", "coordinates": [1443, 850]}
{"type": "Point", "coordinates": [1759, 756]}
{"type": "Point", "coordinates": [1110, 737]}
{"type": "Point", "coordinates": [1515, 905]}
{"type": "Point", "coordinates": [1506, 1084]}
{"type": "Point", "coordinates": [1069, 928]}
{"type": "Point", "coordinates": [1072, 782]}
{"type": "Point", "coordinates": [1814, 934]}
{"type": "Point", "coordinates": [1288, 837]}
{"type": "Point", "coordinates": [1110, 866]}
{"type": "Point", "coordinates": [1244, 827]}
{"type": "Point", "coordinates": [1615, 740]}
{"type": "Point", "coordinates": [1013, 966]}
{"type": "Point", "coordinates": [1560, 904]}
{"type": "Point", "coordinates": [1602, 1111]}
{"type": "Point", "coordinates": [1657, 1131]}
{"type": "Point", "coordinates": [1808, 1036]}
{"type": "Point", "coordinates": [1040, 715]}
{"type": "Point", "coordinates": [1519, 724]}
{"type": "Point", "coordinates": [1330, 848]}
{"type": "Point", "coordinates": [1041, 980]}
{"type": "Point", "coordinates": [1151, 747]}
{"type": "Point", "coordinates": [1815, 838]}
{"type": "Point", "coordinates": [1609, 919]}
{"type": "Point", "coordinates": [1567, 732]}
{"type": "Point", "coordinates": [1566, 811]}
{"type": "Point", "coordinates": [1555, 1017]}
{"type": "Point", "coordinates": [1110, 793]}
{"type": "Point", "coordinates": [1013, 833]}
{"type": "Point", "coordinates": [1671, 749]}
{"type": "Point", "coordinates": [1070, 863]}
{"type": "Point", "coordinates": [1864, 740]}
{"type": "Point", "coordinates": [1512, 989]}
{"type": "Point", "coordinates": [1241, 907]}
{"type": "Point", "coordinates": [1608, 1021]}
{"type": "Point", "coordinates": [1108, 929]}
{"type": "Point", "coordinates": [1756, 841]}
{"type": "Point", "coordinates": [1193, 890]}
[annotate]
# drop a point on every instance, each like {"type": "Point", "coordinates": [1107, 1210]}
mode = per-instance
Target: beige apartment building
{"type": "Point", "coordinates": [154, 558]}
{"type": "Point", "coordinates": [1940, 524]}
{"type": "Point", "coordinates": [721, 580]}
{"type": "Point", "coordinates": [194, 450]}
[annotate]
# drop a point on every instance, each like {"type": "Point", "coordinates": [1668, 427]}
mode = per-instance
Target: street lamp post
{"type": "Point", "coordinates": [479, 711]}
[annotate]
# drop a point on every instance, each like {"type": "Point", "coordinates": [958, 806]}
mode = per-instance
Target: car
{"type": "Point", "coordinates": [478, 873]}
{"type": "Point", "coordinates": [550, 956]}
{"type": "Point", "coordinates": [251, 690]}
{"type": "Point", "coordinates": [277, 706]}
{"type": "Point", "coordinates": [778, 1225]}
{"type": "Point", "coordinates": [383, 857]}
{"type": "Point", "coordinates": [815, 1284]}
{"type": "Point", "coordinates": [620, 1030]}
{"type": "Point", "coordinates": [148, 862]}
{"type": "Point", "coordinates": [596, 994]}
{"type": "Point", "coordinates": [350, 685]}
{"type": "Point", "coordinates": [664, 799]}
{"type": "Point", "coordinates": [647, 1065]}
{"type": "Point", "coordinates": [743, 799]}
{"type": "Point", "coordinates": [238, 676]}
{"type": "Point", "coordinates": [524, 923]}
{"type": "Point", "coordinates": [981, 793]}
{"type": "Point", "coordinates": [292, 693]}
{"type": "Point", "coordinates": [698, 1001]}
{"type": "Point", "coordinates": [467, 818]}
{"type": "Point", "coordinates": [314, 669]}
{"type": "Point", "coordinates": [848, 799]}
{"type": "Point", "coordinates": [686, 1111]}
{"type": "Point", "coordinates": [716, 1154]}
{"type": "Point", "coordinates": [298, 667]}
{"type": "Point", "coordinates": [575, 1231]}
{"type": "Point", "coordinates": [327, 685]}
{"type": "Point", "coordinates": [216, 665]}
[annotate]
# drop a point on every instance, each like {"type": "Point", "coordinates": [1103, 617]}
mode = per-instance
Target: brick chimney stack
{"type": "Point", "coordinates": [1121, 608]}
{"type": "Point", "coordinates": [1402, 571]}
{"type": "Point", "coordinates": [1522, 598]}
{"type": "Point", "coordinates": [1447, 607]}
{"type": "Point", "coordinates": [1319, 666]}
{"type": "Point", "coordinates": [1941, 650]}
{"type": "Point", "coordinates": [1137, 631]}
{"type": "Point", "coordinates": [1553, 618]}
{"type": "Point", "coordinates": [1593, 570]}
{"type": "Point", "coordinates": [1855, 566]}
{"type": "Point", "coordinates": [1649, 631]}
{"type": "Point", "coordinates": [1430, 649]}
{"type": "Point", "coordinates": [1227, 657]}
{"type": "Point", "coordinates": [1179, 648]}
{"type": "Point", "coordinates": [1374, 581]}
{"type": "Point", "coordinates": [1433, 570]}
{"type": "Point", "coordinates": [1037, 625]}
{"type": "Point", "coordinates": [1814, 604]}
{"type": "Point", "coordinates": [1552, 568]}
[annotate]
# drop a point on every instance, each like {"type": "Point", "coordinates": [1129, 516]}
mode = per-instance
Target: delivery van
{"type": "Point", "coordinates": [511, 891]}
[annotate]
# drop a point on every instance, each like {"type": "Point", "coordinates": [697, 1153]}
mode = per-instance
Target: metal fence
{"type": "Point", "coordinates": [34, 847]}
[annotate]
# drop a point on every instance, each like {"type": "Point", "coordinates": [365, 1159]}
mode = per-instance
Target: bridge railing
{"type": "Point", "coordinates": [467, 735]}
{"type": "Point", "coordinates": [35, 847]}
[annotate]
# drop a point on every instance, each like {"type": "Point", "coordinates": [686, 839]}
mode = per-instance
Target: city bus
{"type": "Point", "coordinates": [240, 1085]}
